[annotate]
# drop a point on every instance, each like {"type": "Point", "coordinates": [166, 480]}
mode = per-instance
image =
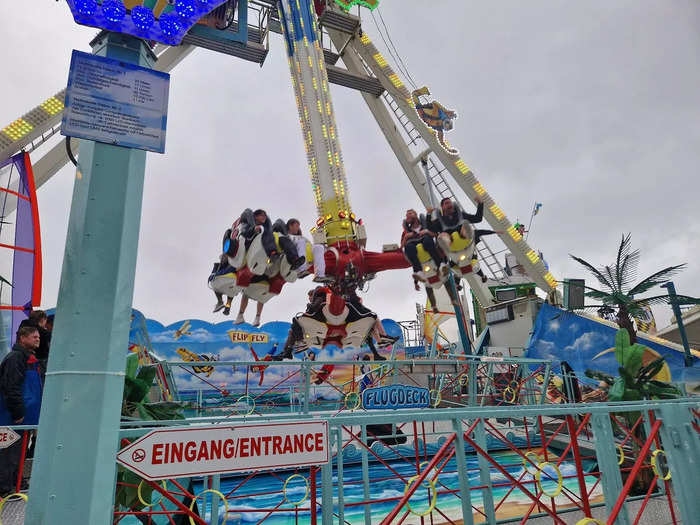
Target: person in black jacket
{"type": "Point", "coordinates": [20, 399]}
{"type": "Point", "coordinates": [264, 227]}
{"type": "Point", "coordinates": [39, 320]}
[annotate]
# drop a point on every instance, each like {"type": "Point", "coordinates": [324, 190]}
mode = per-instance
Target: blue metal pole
{"type": "Point", "coordinates": [606, 454]}
{"type": "Point", "coordinates": [679, 321]}
{"type": "Point", "coordinates": [74, 469]}
{"type": "Point", "coordinates": [365, 478]}
{"type": "Point", "coordinates": [459, 314]}
{"type": "Point", "coordinates": [341, 479]}
{"type": "Point", "coordinates": [463, 474]}
{"type": "Point", "coordinates": [681, 446]}
{"type": "Point", "coordinates": [327, 493]}
{"type": "Point", "coordinates": [485, 473]}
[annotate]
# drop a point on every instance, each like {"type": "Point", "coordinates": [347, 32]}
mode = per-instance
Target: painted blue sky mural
{"type": "Point", "coordinates": [587, 343]}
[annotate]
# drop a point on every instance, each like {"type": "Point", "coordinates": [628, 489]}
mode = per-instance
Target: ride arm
{"type": "Point", "coordinates": [478, 234]}
{"type": "Point", "coordinates": [478, 216]}
{"type": "Point", "coordinates": [14, 370]}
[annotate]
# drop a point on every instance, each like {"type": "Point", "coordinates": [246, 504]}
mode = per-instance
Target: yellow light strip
{"type": "Point", "coordinates": [478, 188]}
{"type": "Point", "coordinates": [550, 280]}
{"type": "Point", "coordinates": [533, 256]}
{"type": "Point", "coordinates": [365, 39]}
{"type": "Point", "coordinates": [497, 212]}
{"type": "Point", "coordinates": [52, 106]}
{"type": "Point", "coordinates": [515, 234]}
{"type": "Point", "coordinates": [18, 129]}
{"type": "Point", "coordinates": [395, 80]}
{"type": "Point", "coordinates": [380, 60]}
{"type": "Point", "coordinates": [462, 166]}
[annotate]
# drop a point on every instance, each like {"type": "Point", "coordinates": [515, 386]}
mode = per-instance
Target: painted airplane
{"type": "Point", "coordinates": [183, 330]}
{"type": "Point", "coordinates": [189, 356]}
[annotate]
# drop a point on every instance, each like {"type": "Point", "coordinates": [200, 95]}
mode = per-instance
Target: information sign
{"type": "Point", "coordinates": [195, 451]}
{"type": "Point", "coordinates": [7, 437]}
{"type": "Point", "coordinates": [116, 103]}
{"type": "Point", "coordinates": [395, 396]}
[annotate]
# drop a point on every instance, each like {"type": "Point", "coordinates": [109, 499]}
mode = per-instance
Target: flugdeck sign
{"type": "Point", "coordinates": [395, 396]}
{"type": "Point", "coordinates": [179, 452]}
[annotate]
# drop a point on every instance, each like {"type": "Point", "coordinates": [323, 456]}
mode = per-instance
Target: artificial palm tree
{"type": "Point", "coordinates": [618, 293]}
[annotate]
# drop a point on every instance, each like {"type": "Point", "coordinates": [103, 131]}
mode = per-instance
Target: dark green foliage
{"type": "Point", "coordinates": [137, 385]}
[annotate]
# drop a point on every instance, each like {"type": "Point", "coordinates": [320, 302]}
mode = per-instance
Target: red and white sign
{"type": "Point", "coordinates": [195, 451]}
{"type": "Point", "coordinates": [7, 437]}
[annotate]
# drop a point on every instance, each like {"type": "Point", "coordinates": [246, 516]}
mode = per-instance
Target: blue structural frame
{"type": "Point", "coordinates": [74, 468]}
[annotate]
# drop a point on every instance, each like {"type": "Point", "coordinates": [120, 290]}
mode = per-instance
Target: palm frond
{"type": "Point", "coordinates": [608, 271]}
{"type": "Point", "coordinates": [598, 275]}
{"type": "Point", "coordinates": [622, 253]}
{"type": "Point", "coordinates": [665, 299]}
{"type": "Point", "coordinates": [601, 296]}
{"type": "Point", "coordinates": [656, 279]}
{"type": "Point", "coordinates": [628, 270]}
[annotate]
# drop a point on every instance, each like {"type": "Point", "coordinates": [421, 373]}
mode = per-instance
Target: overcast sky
{"type": "Point", "coordinates": [592, 108]}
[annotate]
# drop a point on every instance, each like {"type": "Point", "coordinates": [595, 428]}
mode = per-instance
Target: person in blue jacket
{"type": "Point", "coordinates": [20, 399]}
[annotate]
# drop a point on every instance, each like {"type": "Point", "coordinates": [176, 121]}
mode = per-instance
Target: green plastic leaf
{"type": "Point", "coordinates": [632, 360]}
{"type": "Point", "coordinates": [147, 374]}
{"type": "Point", "coordinates": [617, 390]}
{"type": "Point", "coordinates": [135, 390]}
{"type": "Point", "coordinates": [143, 412]}
{"type": "Point", "coordinates": [132, 365]}
{"type": "Point", "coordinates": [622, 342]}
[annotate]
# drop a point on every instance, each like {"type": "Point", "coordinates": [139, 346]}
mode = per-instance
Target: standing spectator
{"type": "Point", "coordinates": [39, 320]}
{"type": "Point", "coordinates": [20, 399]}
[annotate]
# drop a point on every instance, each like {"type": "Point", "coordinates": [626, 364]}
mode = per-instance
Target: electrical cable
{"type": "Point", "coordinates": [400, 60]}
{"type": "Point", "coordinates": [70, 152]}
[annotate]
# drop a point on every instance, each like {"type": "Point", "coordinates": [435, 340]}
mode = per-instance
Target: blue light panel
{"type": "Point", "coordinates": [140, 21]}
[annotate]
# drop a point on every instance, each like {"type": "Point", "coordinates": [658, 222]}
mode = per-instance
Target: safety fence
{"type": "Point", "coordinates": [585, 464]}
{"type": "Point", "coordinates": [304, 387]}
{"type": "Point", "coordinates": [580, 463]}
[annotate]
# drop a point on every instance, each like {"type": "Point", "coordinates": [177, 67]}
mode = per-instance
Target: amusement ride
{"type": "Point", "coordinates": [317, 36]}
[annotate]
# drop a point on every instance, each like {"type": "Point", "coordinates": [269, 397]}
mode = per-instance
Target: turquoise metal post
{"type": "Point", "coordinates": [459, 314]}
{"type": "Point", "coordinates": [365, 478]}
{"type": "Point", "coordinates": [215, 500]}
{"type": "Point", "coordinates": [472, 385]}
{"type": "Point", "coordinates": [462, 474]}
{"type": "Point", "coordinates": [74, 465]}
{"type": "Point", "coordinates": [341, 479]}
{"type": "Point", "coordinates": [485, 473]}
{"type": "Point", "coordinates": [679, 321]}
{"type": "Point", "coordinates": [327, 493]}
{"type": "Point", "coordinates": [306, 371]}
{"type": "Point", "coordinates": [606, 453]}
{"type": "Point", "coordinates": [545, 382]}
{"type": "Point", "coordinates": [681, 445]}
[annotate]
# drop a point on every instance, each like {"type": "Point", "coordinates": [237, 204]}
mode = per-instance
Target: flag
{"type": "Point", "coordinates": [536, 209]}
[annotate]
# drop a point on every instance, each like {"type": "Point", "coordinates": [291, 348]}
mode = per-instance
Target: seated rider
{"type": "Point", "coordinates": [263, 226]}
{"type": "Point", "coordinates": [317, 298]}
{"type": "Point", "coordinates": [221, 268]}
{"type": "Point", "coordinates": [318, 250]}
{"type": "Point", "coordinates": [415, 233]}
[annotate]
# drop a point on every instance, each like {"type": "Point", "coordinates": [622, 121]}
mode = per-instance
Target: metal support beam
{"type": "Point", "coordinates": [73, 479]}
{"type": "Point", "coordinates": [679, 321]}
{"type": "Point", "coordinates": [681, 445]}
{"type": "Point", "coordinates": [606, 453]}
{"type": "Point", "coordinates": [463, 474]}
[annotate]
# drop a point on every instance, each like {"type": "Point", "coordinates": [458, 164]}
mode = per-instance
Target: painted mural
{"type": "Point", "coordinates": [587, 343]}
{"type": "Point", "coordinates": [196, 340]}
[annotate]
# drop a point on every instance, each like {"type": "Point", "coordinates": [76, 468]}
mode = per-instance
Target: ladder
{"type": "Point", "coordinates": [436, 174]}
{"type": "Point", "coordinates": [401, 104]}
